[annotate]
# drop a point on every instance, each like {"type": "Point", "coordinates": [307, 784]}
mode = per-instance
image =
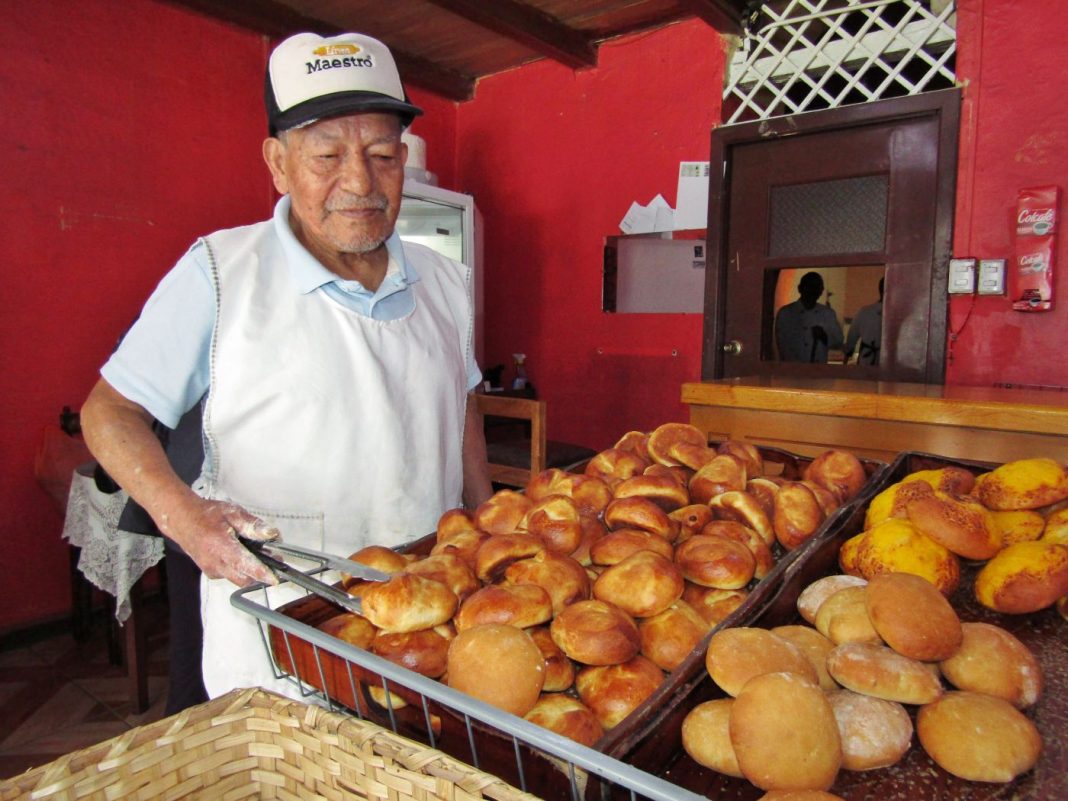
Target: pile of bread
{"type": "Point", "coordinates": [805, 701]}
{"type": "Point", "coordinates": [1014, 519]}
{"type": "Point", "coordinates": [569, 602]}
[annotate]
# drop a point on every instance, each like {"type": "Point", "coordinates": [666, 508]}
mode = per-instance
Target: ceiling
{"type": "Point", "coordinates": [445, 46]}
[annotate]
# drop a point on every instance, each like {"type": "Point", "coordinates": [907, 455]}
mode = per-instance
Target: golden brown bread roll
{"type": "Point", "coordinates": [350, 628]}
{"type": "Point", "coordinates": [452, 522]}
{"type": "Point", "coordinates": [743, 508]}
{"type": "Point", "coordinates": [564, 579]}
{"type": "Point", "coordinates": [763, 558]}
{"type": "Point", "coordinates": [555, 520]}
{"type": "Point", "coordinates": [874, 733]}
{"type": "Point", "coordinates": [424, 651]}
{"type": "Point", "coordinates": [813, 596]}
{"type": "Point", "coordinates": [665, 438]}
{"type": "Point", "coordinates": [784, 733]}
{"type": "Point", "coordinates": [736, 655]}
{"type": "Point", "coordinates": [614, 691]}
{"type": "Point", "coordinates": [502, 512]}
{"type": "Point", "coordinates": [884, 673]}
{"type": "Point", "coordinates": [377, 557]}
{"type": "Point", "coordinates": [642, 585]}
{"type": "Point", "coordinates": [638, 512]}
{"type": "Point", "coordinates": [797, 514]}
{"type": "Point", "coordinates": [464, 544]}
{"type": "Point", "coordinates": [681, 474]}
{"type": "Point", "coordinates": [596, 633]}
{"type": "Point", "coordinates": [962, 524]}
{"type": "Point", "coordinates": [500, 550]}
{"type": "Point", "coordinates": [519, 605]}
{"type": "Point", "coordinates": [615, 546]}
{"type": "Point", "coordinates": [448, 568]}
{"type": "Point", "coordinates": [567, 716]}
{"type": "Point", "coordinates": [827, 500]}
{"type": "Point", "coordinates": [592, 531]}
{"type": "Point", "coordinates": [706, 736]}
{"type": "Point", "coordinates": [992, 661]}
{"type": "Point", "coordinates": [559, 670]}
{"type": "Point", "coordinates": [636, 442]}
{"type": "Point", "coordinates": [764, 491]}
{"type": "Point", "coordinates": [616, 464]}
{"type": "Point", "coordinates": [511, 680]}
{"type": "Point", "coordinates": [590, 494]}
{"type": "Point", "coordinates": [712, 604]}
{"type": "Point", "coordinates": [407, 603]}
{"type": "Point", "coordinates": [747, 452]}
{"type": "Point", "coordinates": [663, 490]}
{"type": "Point", "coordinates": [725, 473]}
{"type": "Point", "coordinates": [839, 472]}
{"type": "Point", "coordinates": [670, 636]}
{"type": "Point", "coordinates": [713, 560]}
{"type": "Point", "coordinates": [692, 456]}
{"type": "Point", "coordinates": [978, 737]}
{"type": "Point", "coordinates": [913, 617]}
{"type": "Point", "coordinates": [691, 518]}
{"type": "Point", "coordinates": [1023, 484]}
{"type": "Point", "coordinates": [844, 617]}
{"type": "Point", "coordinates": [1024, 577]}
{"type": "Point", "coordinates": [550, 481]}
{"type": "Point", "coordinates": [814, 646]}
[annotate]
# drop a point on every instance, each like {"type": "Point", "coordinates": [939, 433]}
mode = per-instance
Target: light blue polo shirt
{"type": "Point", "coordinates": [163, 361]}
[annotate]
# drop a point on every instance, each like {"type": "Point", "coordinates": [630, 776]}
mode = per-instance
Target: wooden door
{"type": "Point", "coordinates": [857, 194]}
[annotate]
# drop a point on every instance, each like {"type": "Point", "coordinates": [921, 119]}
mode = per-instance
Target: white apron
{"type": "Point", "coordinates": [340, 430]}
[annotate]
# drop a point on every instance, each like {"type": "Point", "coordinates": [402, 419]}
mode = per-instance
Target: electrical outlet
{"type": "Point", "coordinates": [961, 276]}
{"type": "Point", "coordinates": [992, 276]}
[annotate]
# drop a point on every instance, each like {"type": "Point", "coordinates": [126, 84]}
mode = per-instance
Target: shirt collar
{"type": "Point", "coordinates": [308, 273]}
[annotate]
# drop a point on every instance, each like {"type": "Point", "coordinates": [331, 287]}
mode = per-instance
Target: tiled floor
{"type": "Point", "coordinates": [58, 695]}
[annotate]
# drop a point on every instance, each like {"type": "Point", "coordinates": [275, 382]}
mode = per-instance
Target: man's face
{"type": "Point", "coordinates": [344, 176]}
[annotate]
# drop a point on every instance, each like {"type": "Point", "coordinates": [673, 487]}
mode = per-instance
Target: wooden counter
{"type": "Point", "coordinates": [878, 420]}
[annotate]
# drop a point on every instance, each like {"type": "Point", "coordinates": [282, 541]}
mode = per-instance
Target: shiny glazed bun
{"type": "Point", "coordinates": [407, 603]}
{"type": "Point", "coordinates": [762, 555]}
{"type": "Point", "coordinates": [840, 472]}
{"type": "Point", "coordinates": [712, 560]}
{"type": "Point", "coordinates": [663, 490]}
{"type": "Point", "coordinates": [747, 452]}
{"type": "Point", "coordinates": [712, 604]}
{"type": "Point", "coordinates": [559, 670]}
{"type": "Point", "coordinates": [962, 524]}
{"type": "Point", "coordinates": [497, 664]}
{"type": "Point", "coordinates": [664, 440]}
{"type": "Point", "coordinates": [638, 512]}
{"type": "Point", "coordinates": [614, 691]}
{"type": "Point", "coordinates": [519, 605]}
{"type": "Point", "coordinates": [670, 636]}
{"type": "Point", "coordinates": [555, 521]}
{"type": "Point", "coordinates": [502, 512]}
{"type": "Point", "coordinates": [567, 716]}
{"type": "Point", "coordinates": [500, 550]}
{"type": "Point", "coordinates": [636, 442]}
{"type": "Point", "coordinates": [615, 546]}
{"type": "Point", "coordinates": [596, 633]}
{"type": "Point", "coordinates": [450, 570]}
{"type": "Point", "coordinates": [350, 628]}
{"type": "Point", "coordinates": [741, 507]}
{"type": "Point", "coordinates": [592, 531]}
{"type": "Point", "coordinates": [691, 519]}
{"type": "Point", "coordinates": [377, 557]}
{"type": "Point", "coordinates": [550, 481]}
{"type": "Point", "coordinates": [424, 651]}
{"type": "Point", "coordinates": [725, 473]}
{"type": "Point", "coordinates": [615, 464]}
{"type": "Point", "coordinates": [564, 579]}
{"type": "Point", "coordinates": [464, 544]}
{"type": "Point", "coordinates": [642, 585]}
{"type": "Point", "coordinates": [453, 522]}
{"type": "Point", "coordinates": [797, 514]}
{"type": "Point", "coordinates": [590, 494]}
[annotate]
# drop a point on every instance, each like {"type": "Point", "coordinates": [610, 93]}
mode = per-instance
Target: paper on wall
{"type": "Point", "coordinates": [655, 217]}
{"type": "Point", "coordinates": [691, 202]}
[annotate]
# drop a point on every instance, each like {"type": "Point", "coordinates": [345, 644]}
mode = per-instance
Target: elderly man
{"type": "Point", "coordinates": [805, 330]}
{"type": "Point", "coordinates": [334, 361]}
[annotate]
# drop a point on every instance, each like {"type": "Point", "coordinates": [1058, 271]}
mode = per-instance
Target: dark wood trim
{"type": "Point", "coordinates": [943, 105]}
{"type": "Point", "coordinates": [723, 15]}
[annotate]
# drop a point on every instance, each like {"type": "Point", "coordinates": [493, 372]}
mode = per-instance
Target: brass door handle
{"type": "Point", "coordinates": [732, 348]}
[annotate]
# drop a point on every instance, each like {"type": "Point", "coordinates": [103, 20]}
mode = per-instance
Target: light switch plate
{"type": "Point", "coordinates": [992, 276]}
{"type": "Point", "coordinates": [961, 276]}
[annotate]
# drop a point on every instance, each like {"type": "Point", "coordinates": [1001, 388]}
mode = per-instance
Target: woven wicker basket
{"type": "Point", "coordinates": [254, 744]}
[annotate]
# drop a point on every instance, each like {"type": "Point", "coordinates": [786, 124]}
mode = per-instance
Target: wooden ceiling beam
{"type": "Point", "coordinates": [723, 15]}
{"type": "Point", "coordinates": [277, 20]}
{"type": "Point", "coordinates": [530, 27]}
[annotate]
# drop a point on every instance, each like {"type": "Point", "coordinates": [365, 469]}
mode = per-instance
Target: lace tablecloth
{"type": "Point", "coordinates": [111, 559]}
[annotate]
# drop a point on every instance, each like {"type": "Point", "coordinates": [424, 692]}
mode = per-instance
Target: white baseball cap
{"type": "Point", "coordinates": [310, 77]}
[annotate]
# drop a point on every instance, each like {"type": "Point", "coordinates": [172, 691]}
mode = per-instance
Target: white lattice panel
{"type": "Point", "coordinates": [802, 55]}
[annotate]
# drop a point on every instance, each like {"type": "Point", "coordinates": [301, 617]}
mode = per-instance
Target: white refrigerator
{"type": "Point", "coordinates": [450, 223]}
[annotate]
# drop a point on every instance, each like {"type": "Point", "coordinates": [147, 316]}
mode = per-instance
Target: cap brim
{"type": "Point", "coordinates": [339, 103]}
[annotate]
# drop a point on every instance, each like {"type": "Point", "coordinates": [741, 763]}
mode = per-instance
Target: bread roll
{"type": "Point", "coordinates": [664, 438]}
{"type": "Point", "coordinates": [961, 524]}
{"type": "Point", "coordinates": [448, 568]}
{"type": "Point", "coordinates": [425, 651]}
{"type": "Point", "coordinates": [567, 716]}
{"type": "Point", "coordinates": [691, 456]}
{"type": "Point", "coordinates": [725, 473]}
{"type": "Point", "coordinates": [1022, 525]}
{"type": "Point", "coordinates": [894, 500]}
{"type": "Point", "coordinates": [590, 494]}
{"type": "Point", "coordinates": [663, 490]}
{"type": "Point", "coordinates": [556, 522]}
{"type": "Point", "coordinates": [712, 604]}
{"type": "Point", "coordinates": [742, 507]}
{"type": "Point", "coordinates": [784, 733]}
{"type": "Point", "coordinates": [636, 442]}
{"type": "Point", "coordinates": [874, 733]}
{"type": "Point", "coordinates": [814, 646]}
{"type": "Point", "coordinates": [800, 795]}
{"type": "Point", "coordinates": [500, 550]}
{"type": "Point", "coordinates": [596, 633]}
{"type": "Point", "coordinates": [563, 578]}
{"type": "Point", "coordinates": [736, 655]}
{"type": "Point", "coordinates": [559, 670]}
{"type": "Point", "coordinates": [764, 491]}
{"type": "Point", "coordinates": [1055, 528]}
{"type": "Point", "coordinates": [640, 513]}
{"type": "Point", "coordinates": [1024, 577]}
{"type": "Point", "coordinates": [746, 451]}
{"type": "Point", "coordinates": [350, 628]}
{"type": "Point", "coordinates": [691, 519]}
{"type": "Point", "coordinates": [615, 546]}
{"type": "Point", "coordinates": [813, 596]}
{"type": "Point", "coordinates": [706, 736]}
{"type": "Point", "coordinates": [642, 585]}
{"type": "Point", "coordinates": [884, 673]}
{"type": "Point", "coordinates": [712, 560]}
{"type": "Point", "coordinates": [763, 558]}
{"type": "Point", "coordinates": [464, 544]}
{"type": "Point", "coordinates": [520, 605]}
{"type": "Point", "coordinates": [1023, 484]}
{"type": "Point", "coordinates": [592, 531]}
{"type": "Point", "coordinates": [548, 482]}
{"type": "Point", "coordinates": [913, 617]}
{"type": "Point", "coordinates": [978, 737]}
{"type": "Point", "coordinates": [511, 680]}
{"type": "Point", "coordinates": [502, 512]}
{"type": "Point", "coordinates": [992, 661]}
{"type": "Point", "coordinates": [839, 472]}
{"type": "Point", "coordinates": [797, 514]}
{"type": "Point", "coordinates": [670, 636]}
{"type": "Point", "coordinates": [377, 557]}
{"type": "Point", "coordinates": [616, 464]}
{"type": "Point", "coordinates": [844, 617]}
{"type": "Point", "coordinates": [614, 691]}
{"type": "Point", "coordinates": [453, 522]}
{"type": "Point", "coordinates": [896, 546]}
{"type": "Point", "coordinates": [408, 603]}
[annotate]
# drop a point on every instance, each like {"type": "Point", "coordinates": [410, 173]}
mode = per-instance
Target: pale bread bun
{"type": "Point", "coordinates": [615, 546]}
{"type": "Point", "coordinates": [555, 520]}
{"type": "Point", "coordinates": [763, 558]}
{"type": "Point", "coordinates": [500, 550]}
{"type": "Point", "coordinates": [784, 734]}
{"type": "Point", "coordinates": [797, 514]}
{"type": "Point", "coordinates": [992, 661]}
{"type": "Point", "coordinates": [978, 737]}
{"type": "Point", "coordinates": [913, 617]}
{"type": "Point", "coordinates": [350, 628]}
{"type": "Point", "coordinates": [564, 579]}
{"type": "Point", "coordinates": [874, 733]}
{"type": "Point", "coordinates": [884, 673]}
{"type": "Point", "coordinates": [448, 568]}
{"type": "Point", "coordinates": [736, 655]}
{"type": "Point", "coordinates": [407, 603]}
{"type": "Point", "coordinates": [502, 512]}
{"type": "Point", "coordinates": [670, 636]}
{"type": "Point", "coordinates": [642, 585]}
{"type": "Point", "coordinates": [706, 736]}
{"type": "Point", "coordinates": [814, 646]}
{"type": "Point", "coordinates": [843, 617]}
{"type": "Point", "coordinates": [520, 605]}
{"type": "Point", "coordinates": [425, 651]}
{"type": "Point", "coordinates": [840, 472]}
{"type": "Point", "coordinates": [813, 596]}
{"type": "Point", "coordinates": [596, 633]}
{"type": "Point", "coordinates": [567, 716]}
{"type": "Point", "coordinates": [962, 524]}
{"type": "Point", "coordinates": [712, 560]}
{"type": "Point", "coordinates": [559, 670]}
{"type": "Point", "coordinates": [614, 691]}
{"type": "Point", "coordinates": [712, 604]}
{"type": "Point", "coordinates": [511, 680]}
{"type": "Point", "coordinates": [725, 473]}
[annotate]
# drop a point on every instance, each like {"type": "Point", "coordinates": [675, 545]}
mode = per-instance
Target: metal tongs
{"type": "Point", "coordinates": [272, 553]}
